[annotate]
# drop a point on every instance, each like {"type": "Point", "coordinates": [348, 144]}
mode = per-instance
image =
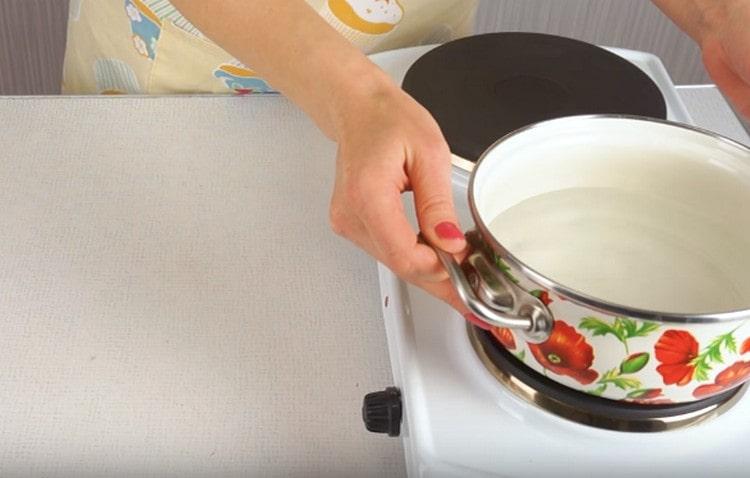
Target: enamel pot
{"type": "Point", "coordinates": [668, 328]}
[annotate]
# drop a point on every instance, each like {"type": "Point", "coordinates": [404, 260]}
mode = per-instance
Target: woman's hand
{"type": "Point", "coordinates": [726, 52]}
{"type": "Point", "coordinates": [722, 29]}
{"type": "Point", "coordinates": [389, 144]}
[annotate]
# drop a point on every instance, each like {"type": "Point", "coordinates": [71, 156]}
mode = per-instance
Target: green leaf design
{"type": "Point", "coordinates": [629, 327]}
{"type": "Point", "coordinates": [711, 355]}
{"type": "Point", "coordinates": [600, 327]}
{"type": "Point", "coordinates": [637, 393]}
{"type": "Point", "coordinates": [614, 377]}
{"type": "Point", "coordinates": [701, 372]}
{"type": "Point", "coordinates": [622, 328]}
{"type": "Point", "coordinates": [619, 328]}
{"type": "Point", "coordinates": [521, 355]}
{"type": "Point", "coordinates": [609, 375]}
{"type": "Point", "coordinates": [731, 344]}
{"type": "Point", "coordinates": [626, 383]}
{"type": "Point", "coordinates": [598, 390]}
{"type": "Point", "coordinates": [645, 329]}
{"type": "Point", "coordinates": [597, 326]}
{"type": "Point", "coordinates": [640, 392]}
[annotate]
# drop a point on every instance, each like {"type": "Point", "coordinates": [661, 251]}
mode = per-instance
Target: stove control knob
{"type": "Point", "coordinates": [381, 411]}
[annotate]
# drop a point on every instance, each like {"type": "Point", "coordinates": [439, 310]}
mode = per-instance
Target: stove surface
{"type": "Point", "coordinates": [482, 87]}
{"type": "Point", "coordinates": [458, 420]}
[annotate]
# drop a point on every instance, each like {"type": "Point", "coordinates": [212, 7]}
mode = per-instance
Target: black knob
{"type": "Point", "coordinates": [381, 411]}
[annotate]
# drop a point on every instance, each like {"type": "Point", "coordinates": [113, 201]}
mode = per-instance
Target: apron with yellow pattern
{"type": "Point", "coordinates": [147, 47]}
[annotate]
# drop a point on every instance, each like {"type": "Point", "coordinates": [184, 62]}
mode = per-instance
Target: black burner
{"type": "Point", "coordinates": [633, 415]}
{"type": "Point", "coordinates": [482, 87]}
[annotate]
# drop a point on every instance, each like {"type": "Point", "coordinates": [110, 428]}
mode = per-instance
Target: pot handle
{"type": "Point", "coordinates": [494, 299]}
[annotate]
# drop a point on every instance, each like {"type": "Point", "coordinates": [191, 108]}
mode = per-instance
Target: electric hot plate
{"type": "Point", "coordinates": [587, 409]}
{"type": "Point", "coordinates": [482, 87]}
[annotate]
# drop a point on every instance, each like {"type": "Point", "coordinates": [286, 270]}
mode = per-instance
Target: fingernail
{"type": "Point", "coordinates": [475, 321]}
{"type": "Point", "coordinates": [448, 230]}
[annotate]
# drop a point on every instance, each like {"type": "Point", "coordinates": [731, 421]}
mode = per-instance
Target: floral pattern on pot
{"type": "Point", "coordinates": [626, 359]}
{"type": "Point", "coordinates": [712, 354]}
{"type": "Point", "coordinates": [566, 352]}
{"type": "Point", "coordinates": [676, 350]}
{"type": "Point", "coordinates": [623, 376]}
{"type": "Point", "coordinates": [622, 328]}
{"type": "Point", "coordinates": [729, 377]}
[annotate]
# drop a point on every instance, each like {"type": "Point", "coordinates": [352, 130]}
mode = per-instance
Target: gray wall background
{"type": "Point", "coordinates": [32, 35]}
{"type": "Point", "coordinates": [635, 24]}
{"type": "Point", "coordinates": [32, 46]}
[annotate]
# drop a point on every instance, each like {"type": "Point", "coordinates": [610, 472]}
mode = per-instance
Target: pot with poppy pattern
{"type": "Point", "coordinates": [675, 344]}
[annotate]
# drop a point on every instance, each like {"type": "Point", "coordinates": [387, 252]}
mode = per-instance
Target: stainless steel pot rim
{"type": "Point", "coordinates": [573, 295]}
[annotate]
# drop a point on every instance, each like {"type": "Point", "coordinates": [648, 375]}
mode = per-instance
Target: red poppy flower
{"type": "Point", "coordinates": [566, 352]}
{"type": "Point", "coordinates": [675, 350]}
{"type": "Point", "coordinates": [727, 378]}
{"type": "Point", "coordinates": [505, 337]}
{"type": "Point", "coordinates": [745, 348]}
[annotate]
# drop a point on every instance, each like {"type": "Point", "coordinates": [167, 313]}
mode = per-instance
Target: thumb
{"type": "Point", "coordinates": [430, 180]}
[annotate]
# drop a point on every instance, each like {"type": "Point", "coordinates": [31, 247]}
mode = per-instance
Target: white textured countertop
{"type": "Point", "coordinates": [172, 301]}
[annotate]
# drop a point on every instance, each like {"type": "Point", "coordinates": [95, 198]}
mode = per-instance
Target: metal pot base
{"type": "Point", "coordinates": [590, 410]}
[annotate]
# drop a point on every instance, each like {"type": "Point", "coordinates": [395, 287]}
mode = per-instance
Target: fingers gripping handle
{"type": "Point", "coordinates": [496, 300]}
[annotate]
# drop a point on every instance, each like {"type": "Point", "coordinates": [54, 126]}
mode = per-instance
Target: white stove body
{"type": "Point", "coordinates": [459, 421]}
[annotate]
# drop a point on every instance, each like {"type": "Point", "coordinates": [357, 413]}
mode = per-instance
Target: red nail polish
{"type": "Point", "coordinates": [475, 321]}
{"type": "Point", "coordinates": [448, 230]}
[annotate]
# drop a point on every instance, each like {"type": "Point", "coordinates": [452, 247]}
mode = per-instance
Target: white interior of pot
{"type": "Point", "coordinates": [680, 245]}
